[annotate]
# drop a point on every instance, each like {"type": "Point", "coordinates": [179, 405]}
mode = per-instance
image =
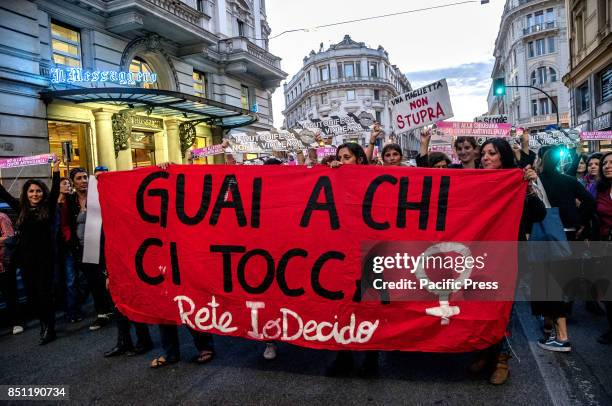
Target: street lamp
{"type": "Point", "coordinates": [502, 88]}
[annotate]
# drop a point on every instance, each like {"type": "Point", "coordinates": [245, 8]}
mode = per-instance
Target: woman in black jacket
{"type": "Point", "coordinates": [36, 208]}
{"type": "Point", "coordinates": [496, 153]}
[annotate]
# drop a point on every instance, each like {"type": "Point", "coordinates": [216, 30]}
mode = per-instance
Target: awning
{"type": "Point", "coordinates": [163, 103]}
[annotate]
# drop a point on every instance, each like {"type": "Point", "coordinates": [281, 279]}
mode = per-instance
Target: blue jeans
{"type": "Point", "coordinates": [72, 285]}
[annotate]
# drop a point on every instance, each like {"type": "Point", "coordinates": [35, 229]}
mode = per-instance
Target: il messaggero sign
{"type": "Point", "coordinates": [78, 75]}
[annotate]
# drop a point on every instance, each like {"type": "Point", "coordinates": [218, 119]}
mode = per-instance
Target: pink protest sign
{"type": "Point", "coordinates": [26, 161]}
{"type": "Point", "coordinates": [473, 129]}
{"type": "Point", "coordinates": [325, 151]}
{"type": "Point", "coordinates": [447, 149]}
{"type": "Point", "coordinates": [208, 151]}
{"type": "Point", "coordinates": [595, 135]}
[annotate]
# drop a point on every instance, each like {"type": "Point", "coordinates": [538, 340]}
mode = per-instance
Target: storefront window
{"type": "Point", "coordinates": [66, 45]}
{"type": "Point", "coordinates": [140, 65]}
{"type": "Point", "coordinates": [68, 141]}
{"type": "Point", "coordinates": [143, 149]}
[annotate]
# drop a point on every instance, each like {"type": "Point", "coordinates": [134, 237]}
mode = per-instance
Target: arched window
{"type": "Point", "coordinates": [543, 75]}
{"type": "Point", "coordinates": [140, 65]}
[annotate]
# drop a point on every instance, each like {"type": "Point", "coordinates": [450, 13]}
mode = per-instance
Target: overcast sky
{"type": "Point", "coordinates": [455, 43]}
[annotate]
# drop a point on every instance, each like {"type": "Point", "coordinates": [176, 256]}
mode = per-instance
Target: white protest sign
{"type": "Point", "coordinates": [421, 107]}
{"type": "Point", "coordinates": [540, 139]}
{"type": "Point", "coordinates": [268, 141]}
{"type": "Point", "coordinates": [496, 119]}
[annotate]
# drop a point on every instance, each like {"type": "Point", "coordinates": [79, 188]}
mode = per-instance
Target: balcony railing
{"type": "Point", "coordinates": [534, 29]}
{"type": "Point", "coordinates": [354, 80]}
{"type": "Point", "coordinates": [545, 119]}
{"type": "Point", "coordinates": [241, 44]}
{"type": "Point", "coordinates": [179, 9]}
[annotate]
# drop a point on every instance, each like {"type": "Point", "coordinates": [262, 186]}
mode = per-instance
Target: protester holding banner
{"type": "Point", "coordinates": [562, 191]}
{"type": "Point", "coordinates": [96, 279]}
{"type": "Point", "coordinates": [351, 153]}
{"type": "Point", "coordinates": [65, 259]}
{"type": "Point", "coordinates": [431, 159]}
{"type": "Point", "coordinates": [496, 153]}
{"type": "Point", "coordinates": [36, 208]}
{"type": "Point", "coordinates": [604, 211]}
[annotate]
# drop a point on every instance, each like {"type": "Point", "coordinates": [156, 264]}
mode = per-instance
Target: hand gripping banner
{"type": "Point", "coordinates": [342, 258]}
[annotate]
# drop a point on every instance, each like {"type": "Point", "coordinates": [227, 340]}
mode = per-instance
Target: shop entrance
{"type": "Point", "coordinates": [69, 142]}
{"type": "Point", "coordinates": [143, 149]}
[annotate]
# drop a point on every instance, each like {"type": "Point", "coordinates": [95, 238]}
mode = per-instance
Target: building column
{"type": "Point", "coordinates": [174, 145]}
{"type": "Point", "coordinates": [204, 131]}
{"type": "Point", "coordinates": [104, 138]}
{"type": "Point", "coordinates": [124, 158]}
{"type": "Point", "coordinates": [257, 18]}
{"type": "Point", "coordinates": [161, 147]}
{"type": "Point", "coordinates": [221, 11]}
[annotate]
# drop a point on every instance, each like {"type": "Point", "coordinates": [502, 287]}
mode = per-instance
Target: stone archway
{"type": "Point", "coordinates": [150, 48]}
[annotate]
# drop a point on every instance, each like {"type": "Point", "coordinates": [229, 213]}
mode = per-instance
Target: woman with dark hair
{"type": "Point", "coordinates": [562, 192]}
{"type": "Point", "coordinates": [36, 208]}
{"type": "Point", "coordinates": [349, 153]}
{"type": "Point", "coordinates": [592, 174]}
{"type": "Point", "coordinates": [392, 155]}
{"type": "Point", "coordinates": [438, 160]}
{"type": "Point", "coordinates": [579, 168]}
{"type": "Point", "coordinates": [604, 211]}
{"type": "Point", "coordinates": [496, 153]}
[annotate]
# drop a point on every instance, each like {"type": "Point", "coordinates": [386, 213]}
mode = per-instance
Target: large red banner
{"type": "Point", "coordinates": [278, 253]}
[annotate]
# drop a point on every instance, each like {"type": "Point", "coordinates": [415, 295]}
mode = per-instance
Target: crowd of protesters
{"type": "Point", "coordinates": [46, 243]}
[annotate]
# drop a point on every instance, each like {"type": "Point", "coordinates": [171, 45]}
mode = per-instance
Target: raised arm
{"type": "Point", "coordinates": [9, 199]}
{"type": "Point", "coordinates": [55, 186]}
{"type": "Point", "coordinates": [376, 132]}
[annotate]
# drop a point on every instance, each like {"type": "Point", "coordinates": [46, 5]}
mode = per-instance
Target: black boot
{"type": "Point", "coordinates": [342, 365]}
{"type": "Point", "coordinates": [144, 343]}
{"type": "Point", "coordinates": [47, 333]}
{"type": "Point", "coordinates": [124, 346]}
{"type": "Point", "coordinates": [369, 369]}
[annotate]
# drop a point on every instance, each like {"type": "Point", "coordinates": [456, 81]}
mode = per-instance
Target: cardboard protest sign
{"type": "Point", "coordinates": [595, 135]}
{"type": "Point", "coordinates": [260, 142]}
{"type": "Point", "coordinates": [421, 107]}
{"type": "Point", "coordinates": [538, 140]}
{"type": "Point", "coordinates": [294, 253]}
{"type": "Point", "coordinates": [27, 161]}
{"type": "Point", "coordinates": [473, 129]}
{"type": "Point", "coordinates": [208, 151]}
{"type": "Point", "coordinates": [340, 125]}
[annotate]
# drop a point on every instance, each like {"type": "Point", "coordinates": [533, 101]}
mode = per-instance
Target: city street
{"type": "Point", "coordinates": [239, 374]}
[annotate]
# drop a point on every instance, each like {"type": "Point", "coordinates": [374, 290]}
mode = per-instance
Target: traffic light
{"type": "Point", "coordinates": [499, 87]}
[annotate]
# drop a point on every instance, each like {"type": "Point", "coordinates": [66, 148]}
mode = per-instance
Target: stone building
{"type": "Point", "coordinates": [129, 83]}
{"type": "Point", "coordinates": [531, 49]}
{"type": "Point", "coordinates": [348, 77]}
{"type": "Point", "coordinates": [590, 76]}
